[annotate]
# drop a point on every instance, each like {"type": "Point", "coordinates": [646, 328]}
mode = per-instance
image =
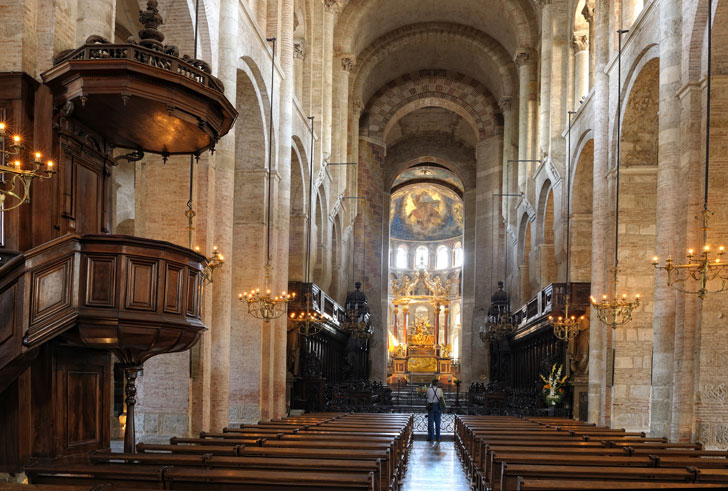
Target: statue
{"type": "Point", "coordinates": [445, 350]}
{"type": "Point", "coordinates": [421, 335]}
{"type": "Point", "coordinates": [579, 363]}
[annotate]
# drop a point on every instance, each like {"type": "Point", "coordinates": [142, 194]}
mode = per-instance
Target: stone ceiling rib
{"type": "Point", "coordinates": [513, 23]}
{"type": "Point", "coordinates": [496, 70]}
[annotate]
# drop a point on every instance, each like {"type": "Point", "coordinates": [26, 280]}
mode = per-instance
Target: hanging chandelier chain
{"type": "Point", "coordinates": [707, 113]}
{"type": "Point", "coordinates": [618, 311]}
{"type": "Point", "coordinates": [702, 269]}
{"type": "Point", "coordinates": [262, 304]}
{"type": "Point", "coordinates": [270, 148]}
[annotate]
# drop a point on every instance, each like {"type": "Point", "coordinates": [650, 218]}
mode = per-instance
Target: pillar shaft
{"type": "Point", "coordinates": [224, 191]}
{"type": "Point", "coordinates": [668, 207]}
{"type": "Point", "coordinates": [599, 333]}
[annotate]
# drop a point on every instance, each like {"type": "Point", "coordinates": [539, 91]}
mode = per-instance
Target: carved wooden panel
{"type": "Point", "coordinates": [141, 284]}
{"type": "Point", "coordinates": [174, 288]}
{"type": "Point", "coordinates": [83, 390]}
{"type": "Point", "coordinates": [88, 210]}
{"type": "Point", "coordinates": [82, 176]}
{"type": "Point", "coordinates": [100, 281]}
{"type": "Point", "coordinates": [193, 297]}
{"type": "Point", "coordinates": [51, 290]}
{"type": "Point", "coordinates": [7, 314]}
{"type": "Point", "coordinates": [81, 393]}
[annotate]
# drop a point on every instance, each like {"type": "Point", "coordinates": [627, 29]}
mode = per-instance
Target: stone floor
{"type": "Point", "coordinates": [434, 466]}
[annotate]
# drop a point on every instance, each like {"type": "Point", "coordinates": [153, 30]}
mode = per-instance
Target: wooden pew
{"type": "Point", "coordinates": [561, 485]}
{"type": "Point", "coordinates": [312, 452]}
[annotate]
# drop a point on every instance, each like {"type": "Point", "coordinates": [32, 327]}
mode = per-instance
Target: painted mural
{"type": "Point", "coordinates": [428, 172]}
{"type": "Point", "coordinates": [425, 212]}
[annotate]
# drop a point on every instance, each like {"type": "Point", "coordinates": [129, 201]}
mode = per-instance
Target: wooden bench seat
{"type": "Point", "coordinates": [184, 477]}
{"type": "Point", "coordinates": [390, 472]}
{"type": "Point", "coordinates": [561, 485]}
{"type": "Point", "coordinates": [511, 473]}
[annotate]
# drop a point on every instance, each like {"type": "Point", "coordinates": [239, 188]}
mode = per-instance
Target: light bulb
{"type": "Point", "coordinates": [2, 126]}
{"type": "Point", "coordinates": [50, 164]}
{"type": "Point", "coordinates": [16, 138]}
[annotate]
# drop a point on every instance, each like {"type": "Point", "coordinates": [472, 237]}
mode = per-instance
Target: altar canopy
{"type": "Point", "coordinates": [426, 228]}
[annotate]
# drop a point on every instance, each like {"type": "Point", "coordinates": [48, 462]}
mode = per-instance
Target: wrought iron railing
{"type": "Point", "coordinates": [194, 70]}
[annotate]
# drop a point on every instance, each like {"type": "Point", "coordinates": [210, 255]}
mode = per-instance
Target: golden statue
{"type": "Point", "coordinates": [445, 350]}
{"type": "Point", "coordinates": [422, 334]}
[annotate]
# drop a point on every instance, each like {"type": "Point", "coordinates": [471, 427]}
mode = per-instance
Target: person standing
{"type": "Point", "coordinates": [434, 410]}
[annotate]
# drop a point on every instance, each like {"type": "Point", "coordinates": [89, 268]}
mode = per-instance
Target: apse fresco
{"type": "Point", "coordinates": [425, 212]}
{"type": "Point", "coordinates": [428, 172]}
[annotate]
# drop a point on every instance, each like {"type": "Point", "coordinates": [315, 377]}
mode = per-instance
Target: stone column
{"type": "Point", "coordinates": [546, 33]}
{"type": "Point", "coordinates": [559, 87]}
{"type": "Point", "coordinates": [95, 17]}
{"type": "Point", "coordinates": [510, 171]}
{"type": "Point", "coordinates": [396, 326]}
{"type": "Point", "coordinates": [405, 311]}
{"type": "Point", "coordinates": [630, 10]}
{"type": "Point", "coordinates": [599, 334]}
{"type": "Point", "coordinates": [588, 13]}
{"type": "Point", "coordinates": [261, 15]}
{"type": "Point", "coordinates": [331, 8]}
{"type": "Point", "coordinates": [447, 322]}
{"type": "Point", "coordinates": [580, 43]}
{"type": "Point", "coordinates": [470, 343]}
{"type": "Point", "coordinates": [283, 204]}
{"type": "Point", "coordinates": [527, 120]}
{"type": "Point", "coordinates": [340, 128]}
{"type": "Point", "coordinates": [224, 191]}
{"type": "Point", "coordinates": [437, 323]}
{"type": "Point", "coordinates": [299, 55]}
{"type": "Point", "coordinates": [483, 266]}
{"type": "Point", "coordinates": [669, 203]}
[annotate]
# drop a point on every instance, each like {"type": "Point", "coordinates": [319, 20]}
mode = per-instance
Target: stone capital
{"type": "Point", "coordinates": [348, 62]}
{"type": "Point", "coordinates": [588, 12]}
{"type": "Point", "coordinates": [523, 56]}
{"type": "Point", "coordinates": [543, 3]}
{"type": "Point", "coordinates": [332, 6]}
{"type": "Point", "coordinates": [358, 106]}
{"type": "Point", "coordinates": [505, 103]}
{"type": "Point", "coordinates": [580, 42]}
{"type": "Point", "coordinates": [299, 49]}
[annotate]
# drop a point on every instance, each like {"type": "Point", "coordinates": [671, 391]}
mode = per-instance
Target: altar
{"type": "Point", "coordinates": [422, 359]}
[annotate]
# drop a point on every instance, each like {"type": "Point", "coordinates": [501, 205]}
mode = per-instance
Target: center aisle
{"type": "Point", "coordinates": [434, 466]}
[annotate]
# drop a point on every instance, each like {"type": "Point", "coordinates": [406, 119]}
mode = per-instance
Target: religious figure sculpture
{"type": "Point", "coordinates": [421, 335]}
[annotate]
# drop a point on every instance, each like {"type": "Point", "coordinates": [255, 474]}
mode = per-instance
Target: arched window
{"type": "Point", "coordinates": [442, 258]}
{"type": "Point", "coordinates": [422, 259]}
{"type": "Point", "coordinates": [400, 260]}
{"type": "Point", "coordinates": [457, 255]}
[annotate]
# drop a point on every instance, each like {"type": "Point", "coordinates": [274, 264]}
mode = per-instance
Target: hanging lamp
{"type": "Point", "coordinates": [703, 268]}
{"type": "Point", "coordinates": [308, 321]}
{"type": "Point", "coordinates": [262, 304]}
{"type": "Point", "coordinates": [617, 311]}
{"type": "Point", "coordinates": [567, 327]}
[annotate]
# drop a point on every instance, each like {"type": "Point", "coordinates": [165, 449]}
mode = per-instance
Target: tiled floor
{"type": "Point", "coordinates": [434, 466]}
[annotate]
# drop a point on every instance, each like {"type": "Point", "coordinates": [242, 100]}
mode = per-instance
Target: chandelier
{"type": "Point", "coordinates": [213, 262]}
{"type": "Point", "coordinates": [262, 304]}
{"type": "Point", "coordinates": [308, 321]}
{"type": "Point", "coordinates": [15, 176]}
{"type": "Point", "coordinates": [496, 325]}
{"type": "Point", "coordinates": [705, 268]}
{"type": "Point", "coordinates": [618, 311]}
{"type": "Point", "coordinates": [567, 327]}
{"type": "Point", "coordinates": [362, 330]}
